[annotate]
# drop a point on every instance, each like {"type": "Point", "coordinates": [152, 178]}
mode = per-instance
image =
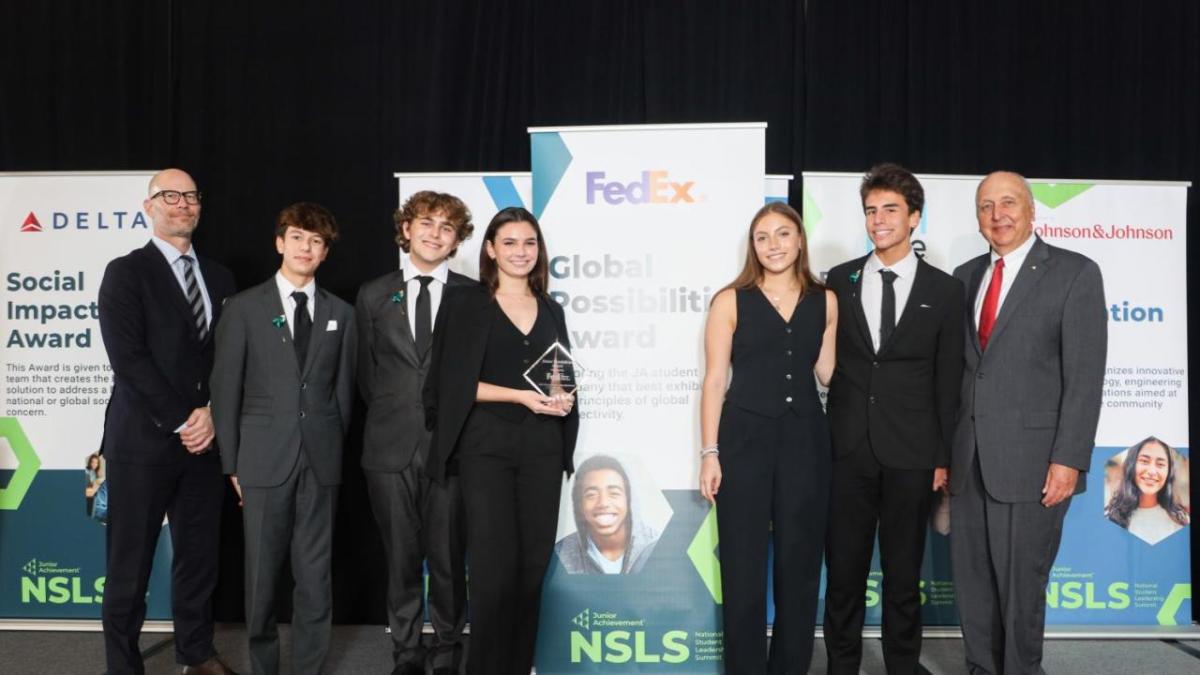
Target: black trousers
{"type": "Point", "coordinates": [292, 521]}
{"type": "Point", "coordinates": [189, 493]}
{"type": "Point", "coordinates": [511, 476]}
{"type": "Point", "coordinates": [867, 494]}
{"type": "Point", "coordinates": [420, 521]}
{"type": "Point", "coordinates": [774, 486]}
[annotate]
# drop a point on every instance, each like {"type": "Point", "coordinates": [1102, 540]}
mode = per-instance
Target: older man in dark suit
{"type": "Point", "coordinates": [158, 306]}
{"type": "Point", "coordinates": [282, 388]}
{"type": "Point", "coordinates": [1031, 390]}
{"type": "Point", "coordinates": [419, 520]}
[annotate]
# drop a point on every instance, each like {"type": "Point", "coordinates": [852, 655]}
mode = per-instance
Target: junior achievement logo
{"type": "Point", "coordinates": [651, 187]}
{"type": "Point", "coordinates": [87, 220]}
{"type": "Point", "coordinates": [607, 637]}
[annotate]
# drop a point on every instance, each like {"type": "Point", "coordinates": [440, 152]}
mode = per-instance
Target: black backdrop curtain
{"type": "Point", "coordinates": [271, 102]}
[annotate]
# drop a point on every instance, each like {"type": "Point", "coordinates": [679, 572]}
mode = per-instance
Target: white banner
{"type": "Point", "coordinates": [57, 233]}
{"type": "Point", "coordinates": [1136, 232]}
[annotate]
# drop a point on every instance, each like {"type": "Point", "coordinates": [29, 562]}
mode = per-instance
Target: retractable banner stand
{"type": "Point", "coordinates": [57, 233]}
{"type": "Point", "coordinates": [1118, 564]}
{"type": "Point", "coordinates": [483, 193]}
{"type": "Point", "coordinates": [777, 188]}
{"type": "Point", "coordinates": [643, 225]}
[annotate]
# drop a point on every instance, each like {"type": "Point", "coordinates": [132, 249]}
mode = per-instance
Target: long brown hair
{"type": "Point", "coordinates": [752, 270]}
{"type": "Point", "coordinates": [489, 275]}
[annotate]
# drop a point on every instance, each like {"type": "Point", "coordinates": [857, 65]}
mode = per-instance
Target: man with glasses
{"type": "Point", "coordinates": [157, 306]}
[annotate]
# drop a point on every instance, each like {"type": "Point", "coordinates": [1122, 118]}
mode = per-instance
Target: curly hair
{"type": "Point", "coordinates": [1125, 499]}
{"type": "Point", "coordinates": [428, 202]}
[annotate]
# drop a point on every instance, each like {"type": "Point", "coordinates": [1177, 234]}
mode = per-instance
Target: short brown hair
{"type": "Point", "coordinates": [309, 217]}
{"type": "Point", "coordinates": [428, 202]}
{"type": "Point", "coordinates": [897, 179]}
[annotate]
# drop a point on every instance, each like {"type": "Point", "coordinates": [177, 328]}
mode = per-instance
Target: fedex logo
{"type": "Point", "coordinates": [652, 188]}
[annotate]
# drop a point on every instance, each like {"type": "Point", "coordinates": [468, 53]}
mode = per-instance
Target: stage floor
{"type": "Point", "coordinates": [366, 649]}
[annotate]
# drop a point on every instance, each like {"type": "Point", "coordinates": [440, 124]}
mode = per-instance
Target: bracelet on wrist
{"type": "Point", "coordinates": [710, 450]}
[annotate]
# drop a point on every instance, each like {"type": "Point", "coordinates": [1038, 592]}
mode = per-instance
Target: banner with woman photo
{"type": "Point", "coordinates": [1125, 554]}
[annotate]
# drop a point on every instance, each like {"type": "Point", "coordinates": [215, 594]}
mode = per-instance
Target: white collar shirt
{"type": "Point", "coordinates": [289, 303]}
{"type": "Point", "coordinates": [177, 265]}
{"type": "Point", "coordinates": [872, 289]}
{"type": "Point", "coordinates": [413, 287]}
{"type": "Point", "coordinates": [1013, 262]}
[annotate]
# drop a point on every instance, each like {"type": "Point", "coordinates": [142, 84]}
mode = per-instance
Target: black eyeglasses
{"type": "Point", "coordinates": [173, 196]}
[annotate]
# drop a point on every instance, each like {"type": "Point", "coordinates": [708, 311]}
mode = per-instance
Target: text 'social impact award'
{"type": "Point", "coordinates": [554, 372]}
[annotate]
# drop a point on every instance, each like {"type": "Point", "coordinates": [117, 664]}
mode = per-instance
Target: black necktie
{"type": "Point", "coordinates": [195, 301]}
{"type": "Point", "coordinates": [887, 313]}
{"type": "Point", "coordinates": [301, 327]}
{"type": "Point", "coordinates": [424, 322]}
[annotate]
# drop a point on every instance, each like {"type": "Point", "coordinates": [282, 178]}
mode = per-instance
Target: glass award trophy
{"type": "Point", "coordinates": [554, 372]}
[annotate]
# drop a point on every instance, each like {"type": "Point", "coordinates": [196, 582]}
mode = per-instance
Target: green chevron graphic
{"type": "Point", "coordinates": [1055, 195]}
{"type": "Point", "coordinates": [703, 554]}
{"type": "Point", "coordinates": [812, 214]}
{"type": "Point", "coordinates": [27, 464]}
{"type": "Point", "coordinates": [1179, 593]}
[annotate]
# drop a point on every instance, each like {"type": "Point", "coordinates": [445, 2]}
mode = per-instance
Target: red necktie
{"type": "Point", "coordinates": [991, 301]}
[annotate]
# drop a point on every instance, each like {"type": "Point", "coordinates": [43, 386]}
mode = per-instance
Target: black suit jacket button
{"type": "Point", "coordinates": [301, 414]}
{"type": "Point", "coordinates": [870, 399]}
{"type": "Point", "coordinates": [874, 364]}
{"type": "Point", "coordinates": [197, 386]}
{"type": "Point", "coordinates": [303, 386]}
{"type": "Point", "coordinates": [787, 330]}
{"type": "Point", "coordinates": [979, 375]}
{"type": "Point", "coordinates": [788, 376]}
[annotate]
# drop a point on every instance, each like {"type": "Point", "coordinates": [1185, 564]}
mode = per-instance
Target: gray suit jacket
{"type": "Point", "coordinates": [265, 406]}
{"type": "Point", "coordinates": [391, 373]}
{"type": "Point", "coordinates": [1033, 398]}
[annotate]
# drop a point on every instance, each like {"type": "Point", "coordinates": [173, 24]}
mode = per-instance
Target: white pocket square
{"type": "Point", "coordinates": [925, 306]}
{"type": "Point", "coordinates": [332, 325]}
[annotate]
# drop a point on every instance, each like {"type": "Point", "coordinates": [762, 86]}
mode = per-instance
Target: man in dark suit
{"type": "Point", "coordinates": [419, 520]}
{"type": "Point", "coordinates": [282, 390]}
{"type": "Point", "coordinates": [1034, 370]}
{"type": "Point", "coordinates": [891, 410]}
{"type": "Point", "coordinates": [158, 306]}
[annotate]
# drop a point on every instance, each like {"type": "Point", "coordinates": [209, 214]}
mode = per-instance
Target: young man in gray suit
{"type": "Point", "coordinates": [282, 390]}
{"type": "Point", "coordinates": [1034, 370]}
{"type": "Point", "coordinates": [419, 520]}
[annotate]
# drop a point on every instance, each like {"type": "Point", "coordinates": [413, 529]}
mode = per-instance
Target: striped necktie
{"type": "Point", "coordinates": [195, 301]}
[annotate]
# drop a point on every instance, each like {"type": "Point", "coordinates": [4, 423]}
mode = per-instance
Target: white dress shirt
{"type": "Point", "coordinates": [872, 289]}
{"type": "Point", "coordinates": [1013, 262]}
{"type": "Point", "coordinates": [175, 260]}
{"type": "Point", "coordinates": [289, 303]}
{"type": "Point", "coordinates": [413, 287]}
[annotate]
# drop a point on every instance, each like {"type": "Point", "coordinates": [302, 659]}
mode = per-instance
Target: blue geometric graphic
{"type": "Point", "coordinates": [550, 159]}
{"type": "Point", "coordinates": [503, 191]}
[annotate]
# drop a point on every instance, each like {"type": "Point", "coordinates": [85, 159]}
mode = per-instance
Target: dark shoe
{"type": "Point", "coordinates": [409, 668]}
{"type": "Point", "coordinates": [213, 666]}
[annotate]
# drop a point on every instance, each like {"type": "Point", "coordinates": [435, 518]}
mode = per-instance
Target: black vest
{"type": "Point", "coordinates": [773, 360]}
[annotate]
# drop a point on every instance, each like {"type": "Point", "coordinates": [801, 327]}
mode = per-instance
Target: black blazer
{"type": "Point", "coordinates": [460, 339]}
{"type": "Point", "coordinates": [391, 374]}
{"type": "Point", "coordinates": [903, 400]}
{"type": "Point", "coordinates": [160, 366]}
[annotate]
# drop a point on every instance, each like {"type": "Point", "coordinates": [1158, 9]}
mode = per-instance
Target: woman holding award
{"type": "Point", "coordinates": [508, 442]}
{"type": "Point", "coordinates": [765, 452]}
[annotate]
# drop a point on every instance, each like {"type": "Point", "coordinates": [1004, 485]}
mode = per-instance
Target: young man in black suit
{"type": "Point", "coordinates": [158, 306]}
{"type": "Point", "coordinates": [891, 408]}
{"type": "Point", "coordinates": [419, 519]}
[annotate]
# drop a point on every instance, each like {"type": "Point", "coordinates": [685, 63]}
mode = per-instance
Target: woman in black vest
{"type": "Point", "coordinates": [508, 443]}
{"type": "Point", "coordinates": [765, 443]}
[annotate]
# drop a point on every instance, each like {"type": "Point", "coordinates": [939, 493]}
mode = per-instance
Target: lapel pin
{"type": "Point", "coordinates": [279, 321]}
{"type": "Point", "coordinates": [398, 296]}
{"type": "Point", "coordinates": [854, 276]}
